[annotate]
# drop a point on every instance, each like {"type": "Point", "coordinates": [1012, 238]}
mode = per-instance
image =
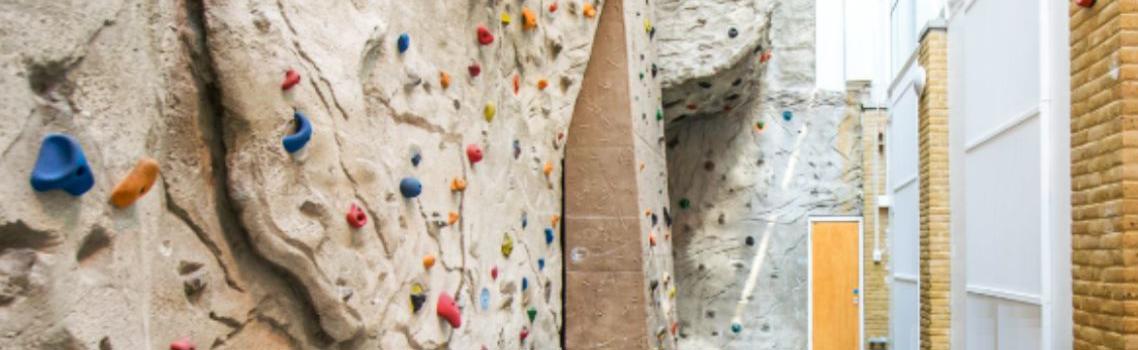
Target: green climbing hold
{"type": "Point", "coordinates": [659, 114]}
{"type": "Point", "coordinates": [507, 245]}
{"type": "Point", "coordinates": [685, 203]}
{"type": "Point", "coordinates": [532, 313]}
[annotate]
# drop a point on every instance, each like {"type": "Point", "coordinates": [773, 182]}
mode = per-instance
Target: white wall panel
{"type": "Point", "coordinates": [1001, 56]}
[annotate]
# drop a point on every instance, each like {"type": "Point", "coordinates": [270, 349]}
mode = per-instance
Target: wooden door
{"type": "Point", "coordinates": [835, 287]}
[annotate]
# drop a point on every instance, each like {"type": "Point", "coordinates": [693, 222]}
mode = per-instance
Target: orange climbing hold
{"type": "Point", "coordinates": [554, 220]}
{"type": "Point", "coordinates": [589, 10]}
{"type": "Point", "coordinates": [766, 56]}
{"type": "Point", "coordinates": [457, 185]}
{"type": "Point", "coordinates": [291, 79]}
{"type": "Point", "coordinates": [542, 84]}
{"type": "Point", "coordinates": [136, 184]}
{"type": "Point", "coordinates": [529, 19]}
{"type": "Point", "coordinates": [444, 79]}
{"type": "Point", "coordinates": [517, 83]}
{"type": "Point", "coordinates": [452, 218]}
{"type": "Point", "coordinates": [652, 238]}
{"type": "Point", "coordinates": [548, 168]}
{"type": "Point", "coordinates": [428, 261]}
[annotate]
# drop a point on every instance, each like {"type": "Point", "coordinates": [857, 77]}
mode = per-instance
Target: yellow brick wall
{"type": "Point", "coordinates": [876, 294]}
{"type": "Point", "coordinates": [1104, 170]}
{"type": "Point", "coordinates": [932, 129]}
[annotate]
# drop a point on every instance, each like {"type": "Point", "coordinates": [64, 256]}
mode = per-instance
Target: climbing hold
{"type": "Point", "coordinates": [415, 159]}
{"type": "Point", "coordinates": [588, 10]}
{"type": "Point", "coordinates": [484, 298]}
{"type": "Point", "coordinates": [766, 56]}
{"type": "Point", "coordinates": [659, 114]}
{"type": "Point", "coordinates": [505, 18]}
{"type": "Point", "coordinates": [517, 149]}
{"type": "Point", "coordinates": [444, 79]}
{"type": "Point", "coordinates": [736, 327]}
{"type": "Point", "coordinates": [517, 83]}
{"type": "Point", "coordinates": [523, 334]}
{"type": "Point", "coordinates": [356, 216]}
{"type": "Point", "coordinates": [553, 7]}
{"type": "Point", "coordinates": [507, 245]}
{"type": "Point", "coordinates": [448, 310]}
{"type": "Point", "coordinates": [548, 235]}
{"type": "Point", "coordinates": [494, 273]}
{"type": "Point", "coordinates": [685, 203]}
{"type": "Point", "coordinates": [428, 261]}
{"type": "Point", "coordinates": [787, 115]}
{"type": "Point", "coordinates": [61, 164]}
{"type": "Point", "coordinates": [647, 25]}
{"type": "Point", "coordinates": [759, 125]}
{"type": "Point", "coordinates": [417, 297]}
{"type": "Point", "coordinates": [525, 284]}
{"type": "Point", "coordinates": [529, 19]}
{"type": "Point", "coordinates": [540, 264]}
{"type": "Point", "coordinates": [525, 220]}
{"type": "Point", "coordinates": [672, 292]}
{"type": "Point", "coordinates": [474, 69]}
{"type": "Point", "coordinates": [484, 36]}
{"type": "Point", "coordinates": [457, 185]}
{"type": "Point", "coordinates": [136, 184]}
{"type": "Point", "coordinates": [474, 153]}
{"type": "Point", "coordinates": [542, 84]}
{"type": "Point", "coordinates": [652, 238]}
{"type": "Point", "coordinates": [732, 33]}
{"type": "Point", "coordinates": [654, 70]}
{"type": "Point", "coordinates": [750, 241]}
{"type": "Point", "coordinates": [547, 168]}
{"type": "Point", "coordinates": [692, 106]}
{"type": "Point", "coordinates": [489, 111]}
{"type": "Point", "coordinates": [452, 217]}
{"type": "Point", "coordinates": [532, 313]}
{"type": "Point", "coordinates": [291, 79]}
{"type": "Point", "coordinates": [675, 327]}
{"type": "Point", "coordinates": [410, 187]}
{"type": "Point", "coordinates": [300, 137]}
{"type": "Point", "coordinates": [404, 42]}
{"type": "Point", "coordinates": [1085, 3]}
{"type": "Point", "coordinates": [553, 220]}
{"type": "Point", "coordinates": [183, 344]}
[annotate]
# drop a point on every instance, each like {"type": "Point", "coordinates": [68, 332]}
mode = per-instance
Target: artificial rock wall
{"type": "Point", "coordinates": [242, 245]}
{"type": "Point", "coordinates": [753, 151]}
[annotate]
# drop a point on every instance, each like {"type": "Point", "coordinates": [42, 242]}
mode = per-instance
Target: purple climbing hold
{"type": "Point", "coordinates": [410, 187]}
{"type": "Point", "coordinates": [62, 165]}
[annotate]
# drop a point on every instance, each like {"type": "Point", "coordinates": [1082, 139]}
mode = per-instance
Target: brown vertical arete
{"type": "Point", "coordinates": [936, 248]}
{"type": "Point", "coordinates": [605, 306]}
{"type": "Point", "coordinates": [1104, 166]}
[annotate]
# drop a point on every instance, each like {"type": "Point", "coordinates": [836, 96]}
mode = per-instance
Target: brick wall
{"type": "Point", "coordinates": [932, 129]}
{"type": "Point", "coordinates": [876, 296]}
{"type": "Point", "coordinates": [1104, 166]}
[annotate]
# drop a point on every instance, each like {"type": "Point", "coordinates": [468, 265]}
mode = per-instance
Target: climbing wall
{"type": "Point", "coordinates": [298, 174]}
{"type": "Point", "coordinates": [752, 152]}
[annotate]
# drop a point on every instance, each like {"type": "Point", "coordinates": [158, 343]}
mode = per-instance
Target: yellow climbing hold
{"type": "Point", "coordinates": [428, 261]}
{"type": "Point", "coordinates": [507, 245]}
{"type": "Point", "coordinates": [444, 79]}
{"type": "Point", "coordinates": [529, 19]}
{"type": "Point", "coordinates": [548, 168]}
{"type": "Point", "coordinates": [457, 185]}
{"type": "Point", "coordinates": [589, 10]}
{"type": "Point", "coordinates": [489, 111]}
{"type": "Point", "coordinates": [452, 218]}
{"type": "Point", "coordinates": [647, 25]}
{"type": "Point", "coordinates": [672, 293]}
{"type": "Point", "coordinates": [505, 18]}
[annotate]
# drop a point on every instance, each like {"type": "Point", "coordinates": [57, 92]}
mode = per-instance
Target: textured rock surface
{"type": "Point", "coordinates": [743, 184]}
{"type": "Point", "coordinates": [244, 246]}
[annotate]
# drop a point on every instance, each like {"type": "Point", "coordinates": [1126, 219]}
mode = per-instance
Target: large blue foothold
{"type": "Point", "coordinates": [410, 187]}
{"type": "Point", "coordinates": [62, 165]}
{"type": "Point", "coordinates": [404, 42]}
{"type": "Point", "coordinates": [297, 140]}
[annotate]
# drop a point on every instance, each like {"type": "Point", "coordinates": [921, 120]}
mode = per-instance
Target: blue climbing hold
{"type": "Point", "coordinates": [736, 327]}
{"type": "Point", "coordinates": [525, 284]}
{"type": "Point", "coordinates": [540, 264]}
{"type": "Point", "coordinates": [62, 165]}
{"type": "Point", "coordinates": [298, 139]}
{"type": "Point", "coordinates": [404, 42]}
{"type": "Point", "coordinates": [415, 159]}
{"type": "Point", "coordinates": [484, 299]}
{"type": "Point", "coordinates": [787, 115]}
{"type": "Point", "coordinates": [548, 235]}
{"type": "Point", "coordinates": [410, 187]}
{"type": "Point", "coordinates": [525, 220]}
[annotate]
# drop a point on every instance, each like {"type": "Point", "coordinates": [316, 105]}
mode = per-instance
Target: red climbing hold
{"type": "Point", "coordinates": [448, 311]}
{"type": "Point", "coordinates": [474, 153]}
{"type": "Point", "coordinates": [692, 106]}
{"type": "Point", "coordinates": [291, 79]}
{"type": "Point", "coordinates": [553, 7]}
{"type": "Point", "coordinates": [474, 69]}
{"type": "Point", "coordinates": [524, 334]}
{"type": "Point", "coordinates": [517, 83]}
{"type": "Point", "coordinates": [494, 272]}
{"type": "Point", "coordinates": [182, 345]}
{"type": "Point", "coordinates": [766, 56]}
{"type": "Point", "coordinates": [1085, 3]}
{"type": "Point", "coordinates": [356, 216]}
{"type": "Point", "coordinates": [484, 36]}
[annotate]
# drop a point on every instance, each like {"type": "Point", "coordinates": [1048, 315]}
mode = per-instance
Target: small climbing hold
{"type": "Point", "coordinates": [489, 111]}
{"type": "Point", "coordinates": [548, 235]}
{"type": "Point", "coordinates": [672, 292]}
{"type": "Point", "coordinates": [517, 149]}
{"type": "Point", "coordinates": [736, 327]}
{"type": "Point", "coordinates": [494, 273]}
{"type": "Point", "coordinates": [523, 334]}
{"type": "Point", "coordinates": [507, 245]}
{"type": "Point", "coordinates": [452, 217]}
{"type": "Point", "coordinates": [484, 35]}
{"type": "Point", "coordinates": [542, 84]}
{"type": "Point", "coordinates": [685, 203]}
{"type": "Point", "coordinates": [732, 33]}
{"type": "Point", "coordinates": [525, 220]}
{"type": "Point", "coordinates": [588, 10]}
{"type": "Point", "coordinates": [750, 241]}
{"type": "Point", "coordinates": [410, 187]}
{"type": "Point", "coordinates": [404, 42]}
{"type": "Point", "coordinates": [474, 153]}
{"type": "Point", "coordinates": [553, 220]}
{"type": "Point", "coordinates": [356, 216]}
{"type": "Point", "coordinates": [540, 264]}
{"type": "Point", "coordinates": [675, 327]}
{"type": "Point", "coordinates": [759, 125]}
{"type": "Point", "coordinates": [62, 165]}
{"type": "Point", "coordinates": [415, 159]}
{"type": "Point", "coordinates": [474, 69]}
{"type": "Point", "coordinates": [692, 106]}
{"type": "Point", "coordinates": [529, 19]}
{"type": "Point", "coordinates": [1085, 3]}
{"type": "Point", "coordinates": [659, 114]}
{"type": "Point", "coordinates": [444, 79]}
{"type": "Point", "coordinates": [652, 238]}
{"type": "Point", "coordinates": [553, 7]}
{"type": "Point", "coordinates": [183, 344]}
{"type": "Point", "coordinates": [547, 169]}
{"type": "Point", "coordinates": [136, 184]}
{"type": "Point", "coordinates": [484, 298]}
{"type": "Point", "coordinates": [705, 84]}
{"type": "Point", "coordinates": [647, 25]}
{"type": "Point", "coordinates": [654, 70]}
{"type": "Point", "coordinates": [457, 185]}
{"type": "Point", "coordinates": [505, 18]}
{"type": "Point", "coordinates": [418, 298]}
{"type": "Point", "coordinates": [448, 310]}
{"type": "Point", "coordinates": [531, 313]}
{"type": "Point", "coordinates": [525, 284]}
{"type": "Point", "coordinates": [517, 83]}
{"type": "Point", "coordinates": [787, 115]}
{"type": "Point", "coordinates": [300, 137]}
{"type": "Point", "coordinates": [291, 79]}
{"type": "Point", "coordinates": [428, 261]}
{"type": "Point", "coordinates": [764, 57]}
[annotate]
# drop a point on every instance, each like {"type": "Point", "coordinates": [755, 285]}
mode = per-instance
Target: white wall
{"type": "Point", "coordinates": [829, 50]}
{"type": "Point", "coordinates": [904, 229]}
{"type": "Point", "coordinates": [867, 46]}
